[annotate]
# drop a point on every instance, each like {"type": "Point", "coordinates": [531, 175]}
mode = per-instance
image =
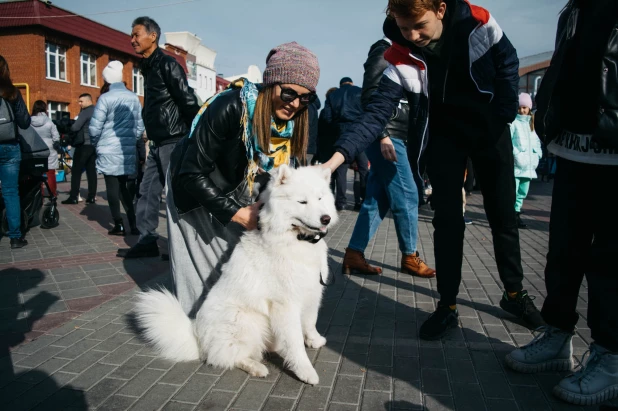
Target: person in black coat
{"type": "Point", "coordinates": [582, 229]}
{"type": "Point", "coordinates": [342, 108]}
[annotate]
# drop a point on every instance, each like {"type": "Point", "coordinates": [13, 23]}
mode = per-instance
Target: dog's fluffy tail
{"type": "Point", "coordinates": [166, 326]}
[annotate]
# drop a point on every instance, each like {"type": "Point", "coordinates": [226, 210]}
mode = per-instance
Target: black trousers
{"type": "Point", "coordinates": [583, 240]}
{"type": "Point", "coordinates": [117, 192]}
{"type": "Point", "coordinates": [84, 157]}
{"type": "Point", "coordinates": [446, 164]}
{"type": "Point", "coordinates": [340, 176]}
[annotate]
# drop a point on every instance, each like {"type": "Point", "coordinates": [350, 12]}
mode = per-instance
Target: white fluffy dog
{"type": "Point", "coordinates": [269, 293]}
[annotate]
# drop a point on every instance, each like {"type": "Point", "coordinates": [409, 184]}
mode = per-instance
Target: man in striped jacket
{"type": "Point", "coordinates": [459, 73]}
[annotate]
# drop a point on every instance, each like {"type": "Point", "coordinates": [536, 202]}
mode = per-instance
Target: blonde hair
{"type": "Point", "coordinates": [531, 121]}
{"type": "Point", "coordinates": [262, 121]}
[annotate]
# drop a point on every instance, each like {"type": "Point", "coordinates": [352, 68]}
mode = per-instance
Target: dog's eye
{"type": "Point", "coordinates": [303, 202]}
{"type": "Point", "coordinates": [320, 199]}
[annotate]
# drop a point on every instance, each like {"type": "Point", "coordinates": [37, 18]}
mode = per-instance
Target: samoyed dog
{"type": "Point", "coordinates": [270, 290]}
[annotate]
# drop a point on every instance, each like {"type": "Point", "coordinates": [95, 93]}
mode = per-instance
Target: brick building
{"type": "Point", "coordinates": [55, 59]}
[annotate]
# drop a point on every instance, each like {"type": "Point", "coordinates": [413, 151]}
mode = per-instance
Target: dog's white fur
{"type": "Point", "coordinates": [268, 296]}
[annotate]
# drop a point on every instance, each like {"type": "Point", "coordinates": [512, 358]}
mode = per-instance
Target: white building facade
{"type": "Point", "coordinates": [253, 74]}
{"type": "Point", "coordinates": [202, 74]}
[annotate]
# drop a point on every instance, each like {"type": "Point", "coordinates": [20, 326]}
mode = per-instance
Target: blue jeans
{"type": "Point", "coordinates": [389, 186]}
{"type": "Point", "coordinates": [10, 157]}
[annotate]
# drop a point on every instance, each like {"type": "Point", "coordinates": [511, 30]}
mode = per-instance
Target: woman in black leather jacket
{"type": "Point", "coordinates": [237, 137]}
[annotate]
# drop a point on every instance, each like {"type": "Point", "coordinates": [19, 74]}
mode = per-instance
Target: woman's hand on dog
{"type": "Point", "coordinates": [248, 216]}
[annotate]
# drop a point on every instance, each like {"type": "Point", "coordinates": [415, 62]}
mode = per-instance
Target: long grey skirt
{"type": "Point", "coordinates": [199, 246]}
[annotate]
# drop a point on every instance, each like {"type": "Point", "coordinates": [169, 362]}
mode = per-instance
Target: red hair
{"type": "Point", "coordinates": [411, 8]}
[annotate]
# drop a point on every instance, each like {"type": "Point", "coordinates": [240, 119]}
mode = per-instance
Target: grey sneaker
{"type": "Point", "coordinates": [550, 351]}
{"type": "Point", "coordinates": [593, 383]}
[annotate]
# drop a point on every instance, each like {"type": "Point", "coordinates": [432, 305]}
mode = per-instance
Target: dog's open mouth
{"type": "Point", "coordinates": [305, 228]}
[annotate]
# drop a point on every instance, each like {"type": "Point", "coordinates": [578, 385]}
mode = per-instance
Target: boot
{"type": "Point", "coordinates": [118, 229]}
{"type": "Point", "coordinates": [520, 223]}
{"type": "Point", "coordinates": [354, 262]}
{"type": "Point", "coordinates": [412, 264]}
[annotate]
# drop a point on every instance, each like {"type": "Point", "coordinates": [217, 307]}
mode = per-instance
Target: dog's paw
{"type": "Point", "coordinates": [253, 368]}
{"type": "Point", "coordinates": [260, 370]}
{"type": "Point", "coordinates": [315, 341]}
{"type": "Point", "coordinates": [308, 375]}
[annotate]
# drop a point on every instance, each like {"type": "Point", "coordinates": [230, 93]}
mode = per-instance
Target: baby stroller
{"type": "Point", "coordinates": [31, 174]}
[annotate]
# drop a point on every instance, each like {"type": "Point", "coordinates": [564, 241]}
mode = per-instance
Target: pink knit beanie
{"type": "Point", "coordinates": [291, 63]}
{"type": "Point", "coordinates": [525, 100]}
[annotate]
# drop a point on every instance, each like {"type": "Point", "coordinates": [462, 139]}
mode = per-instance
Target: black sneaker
{"type": "Point", "coordinates": [70, 200]}
{"type": "Point", "coordinates": [522, 306]}
{"type": "Point", "coordinates": [91, 200]}
{"type": "Point", "coordinates": [438, 323]}
{"type": "Point", "coordinates": [139, 251]}
{"type": "Point", "coordinates": [18, 243]}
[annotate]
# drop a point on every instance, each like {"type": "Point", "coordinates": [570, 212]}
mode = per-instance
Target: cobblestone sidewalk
{"type": "Point", "coordinates": [373, 360]}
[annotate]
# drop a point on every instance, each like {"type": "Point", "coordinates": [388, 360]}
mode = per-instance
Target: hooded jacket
{"type": "Point", "coordinates": [527, 149]}
{"type": "Point", "coordinates": [491, 66]}
{"type": "Point", "coordinates": [115, 126]}
{"type": "Point", "coordinates": [47, 130]}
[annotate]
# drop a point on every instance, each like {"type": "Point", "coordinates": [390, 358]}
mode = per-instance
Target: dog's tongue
{"type": "Point", "coordinates": [323, 229]}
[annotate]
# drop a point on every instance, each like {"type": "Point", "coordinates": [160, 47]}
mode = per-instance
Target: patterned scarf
{"type": "Point", "coordinates": [280, 148]}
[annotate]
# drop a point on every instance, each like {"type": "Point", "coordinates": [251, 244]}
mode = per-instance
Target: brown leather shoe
{"type": "Point", "coordinates": [412, 264]}
{"type": "Point", "coordinates": [354, 262]}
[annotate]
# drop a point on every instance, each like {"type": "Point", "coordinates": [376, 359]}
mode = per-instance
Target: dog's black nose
{"type": "Point", "coordinates": [325, 219]}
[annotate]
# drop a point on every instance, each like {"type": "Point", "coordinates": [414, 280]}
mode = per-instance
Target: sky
{"type": "Point", "coordinates": [339, 32]}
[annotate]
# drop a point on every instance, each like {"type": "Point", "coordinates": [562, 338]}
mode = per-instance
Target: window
{"type": "Point", "coordinates": [56, 58]}
{"type": "Point", "coordinates": [89, 69]}
{"type": "Point", "coordinates": [138, 82]}
{"type": "Point", "coordinates": [210, 88]}
{"type": "Point", "coordinates": [54, 106]}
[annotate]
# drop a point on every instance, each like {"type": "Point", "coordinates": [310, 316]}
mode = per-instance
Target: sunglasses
{"type": "Point", "coordinates": [288, 95]}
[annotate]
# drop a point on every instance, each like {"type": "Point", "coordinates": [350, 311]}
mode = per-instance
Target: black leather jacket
{"type": "Point", "coordinates": [547, 119]}
{"type": "Point", "coordinates": [208, 168]}
{"type": "Point", "coordinates": [169, 102]}
{"type": "Point", "coordinates": [80, 127]}
{"type": "Point", "coordinates": [397, 127]}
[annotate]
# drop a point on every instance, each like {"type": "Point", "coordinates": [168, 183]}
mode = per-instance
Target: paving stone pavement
{"type": "Point", "coordinates": [373, 360]}
{"type": "Point", "coordinates": [66, 271]}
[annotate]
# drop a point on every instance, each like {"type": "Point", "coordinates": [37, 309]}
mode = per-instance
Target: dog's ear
{"type": "Point", "coordinates": [283, 173]}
